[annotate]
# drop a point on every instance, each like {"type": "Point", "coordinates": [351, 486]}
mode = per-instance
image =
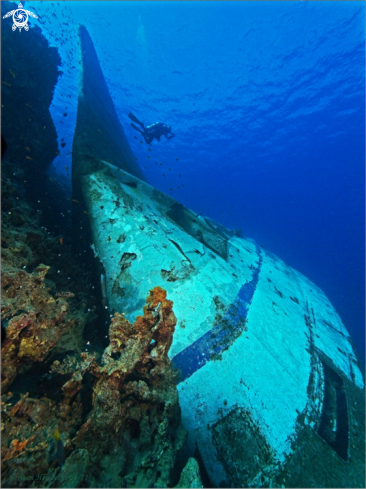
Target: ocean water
{"type": "Point", "coordinates": [266, 100]}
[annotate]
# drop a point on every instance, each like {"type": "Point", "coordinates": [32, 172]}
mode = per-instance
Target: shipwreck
{"type": "Point", "coordinates": [269, 385]}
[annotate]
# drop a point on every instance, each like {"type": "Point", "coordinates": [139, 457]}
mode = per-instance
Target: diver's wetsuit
{"type": "Point", "coordinates": [154, 131]}
{"type": "Point", "coordinates": [157, 130]}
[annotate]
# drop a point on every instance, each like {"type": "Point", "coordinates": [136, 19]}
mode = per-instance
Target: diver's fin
{"type": "Point", "coordinates": [135, 119]}
{"type": "Point", "coordinates": [137, 128]}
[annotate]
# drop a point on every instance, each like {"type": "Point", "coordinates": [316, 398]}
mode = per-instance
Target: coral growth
{"type": "Point", "coordinates": [135, 401]}
{"type": "Point", "coordinates": [149, 339]}
{"type": "Point", "coordinates": [119, 421]}
{"type": "Point", "coordinates": [36, 320]}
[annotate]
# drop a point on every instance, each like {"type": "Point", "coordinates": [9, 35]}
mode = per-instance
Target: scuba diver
{"type": "Point", "coordinates": [154, 131]}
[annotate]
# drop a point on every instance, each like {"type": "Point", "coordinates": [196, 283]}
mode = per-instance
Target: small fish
{"type": "Point", "coordinates": [12, 73]}
{"type": "Point", "coordinates": [86, 212]}
{"type": "Point", "coordinates": [140, 142]}
{"type": "Point", "coordinates": [60, 451]}
{"type": "Point", "coordinates": [109, 238]}
{"type": "Point", "coordinates": [74, 200]}
{"type": "Point", "coordinates": [149, 157]}
{"type": "Point", "coordinates": [135, 137]}
{"type": "Point", "coordinates": [148, 149]}
{"type": "Point", "coordinates": [176, 159]}
{"type": "Point", "coordinates": [5, 83]}
{"type": "Point", "coordinates": [65, 294]}
{"type": "Point", "coordinates": [180, 175]}
{"type": "Point", "coordinates": [29, 158]}
{"type": "Point", "coordinates": [61, 241]}
{"type": "Point", "coordinates": [67, 169]}
{"type": "Point", "coordinates": [27, 148]}
{"type": "Point", "coordinates": [102, 206]}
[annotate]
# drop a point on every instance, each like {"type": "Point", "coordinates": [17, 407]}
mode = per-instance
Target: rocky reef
{"type": "Point", "coordinates": [119, 420]}
{"type": "Point", "coordinates": [30, 69]}
{"type": "Point", "coordinates": [31, 334]}
{"type": "Point", "coordinates": [28, 63]}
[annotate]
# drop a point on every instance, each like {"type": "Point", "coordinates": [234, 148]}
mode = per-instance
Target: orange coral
{"type": "Point", "coordinates": [15, 448]}
{"type": "Point", "coordinates": [19, 445]}
{"type": "Point", "coordinates": [30, 335]}
{"type": "Point", "coordinates": [134, 340]}
{"type": "Point", "coordinates": [157, 294]}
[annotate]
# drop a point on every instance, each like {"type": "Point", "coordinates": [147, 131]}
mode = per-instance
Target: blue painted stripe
{"type": "Point", "coordinates": [223, 334]}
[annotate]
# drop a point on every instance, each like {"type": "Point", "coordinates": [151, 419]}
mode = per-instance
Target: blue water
{"type": "Point", "coordinates": [267, 103]}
